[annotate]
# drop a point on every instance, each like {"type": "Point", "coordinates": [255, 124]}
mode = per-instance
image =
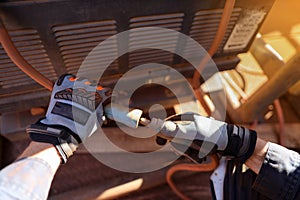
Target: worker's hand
{"type": "Point", "coordinates": [206, 136]}
{"type": "Point", "coordinates": [74, 113]}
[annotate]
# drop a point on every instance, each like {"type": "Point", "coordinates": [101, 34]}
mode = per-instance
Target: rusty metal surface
{"type": "Point", "coordinates": [63, 33]}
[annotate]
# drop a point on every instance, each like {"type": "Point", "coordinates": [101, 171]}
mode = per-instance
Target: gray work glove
{"type": "Point", "coordinates": [75, 112]}
{"type": "Point", "coordinates": [191, 133]}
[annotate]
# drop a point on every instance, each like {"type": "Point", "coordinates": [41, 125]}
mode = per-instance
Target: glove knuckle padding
{"type": "Point", "coordinates": [76, 104]}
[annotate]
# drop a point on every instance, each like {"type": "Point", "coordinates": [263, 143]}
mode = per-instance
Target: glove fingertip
{"type": "Point", "coordinates": [61, 79]}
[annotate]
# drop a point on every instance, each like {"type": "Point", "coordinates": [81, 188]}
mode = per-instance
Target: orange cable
{"type": "Point", "coordinates": [199, 95]}
{"type": "Point", "coordinates": [207, 167]}
{"type": "Point", "coordinates": [18, 59]}
{"type": "Point", "coordinates": [228, 8]}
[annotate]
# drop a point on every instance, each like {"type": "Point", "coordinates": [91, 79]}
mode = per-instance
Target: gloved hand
{"type": "Point", "coordinates": [205, 136]}
{"type": "Point", "coordinates": [74, 113]}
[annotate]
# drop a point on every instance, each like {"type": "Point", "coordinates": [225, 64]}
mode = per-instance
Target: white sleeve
{"type": "Point", "coordinates": [26, 179]}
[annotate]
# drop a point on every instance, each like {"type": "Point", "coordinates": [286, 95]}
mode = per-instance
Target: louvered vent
{"type": "Point", "coordinates": [77, 40]}
{"type": "Point", "coordinates": [31, 48]}
{"type": "Point", "coordinates": [205, 26]}
{"type": "Point", "coordinates": [137, 39]}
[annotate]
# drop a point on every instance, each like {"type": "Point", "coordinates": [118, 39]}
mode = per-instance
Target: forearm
{"type": "Point", "coordinates": [44, 151]}
{"type": "Point", "coordinates": [31, 175]}
{"type": "Point", "coordinates": [256, 160]}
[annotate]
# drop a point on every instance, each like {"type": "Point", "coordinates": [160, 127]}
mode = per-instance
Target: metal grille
{"type": "Point", "coordinates": [77, 40]}
{"type": "Point", "coordinates": [137, 39]}
{"type": "Point", "coordinates": [31, 48]}
{"type": "Point", "coordinates": [205, 26]}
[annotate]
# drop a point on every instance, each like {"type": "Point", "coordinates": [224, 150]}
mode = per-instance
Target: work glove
{"type": "Point", "coordinates": [196, 137]}
{"type": "Point", "coordinates": [75, 112]}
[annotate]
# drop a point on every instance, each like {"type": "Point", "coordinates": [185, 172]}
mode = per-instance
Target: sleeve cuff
{"type": "Point", "coordinates": [279, 176]}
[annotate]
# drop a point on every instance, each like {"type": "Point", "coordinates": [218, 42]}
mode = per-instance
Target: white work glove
{"type": "Point", "coordinates": [74, 113]}
{"type": "Point", "coordinates": [193, 133]}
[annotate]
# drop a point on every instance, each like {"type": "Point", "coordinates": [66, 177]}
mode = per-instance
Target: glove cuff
{"type": "Point", "coordinates": [62, 138]}
{"type": "Point", "coordinates": [250, 146]}
{"type": "Point", "coordinates": [241, 143]}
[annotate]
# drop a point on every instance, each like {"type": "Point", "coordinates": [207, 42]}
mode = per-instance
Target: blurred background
{"type": "Point", "coordinates": [255, 46]}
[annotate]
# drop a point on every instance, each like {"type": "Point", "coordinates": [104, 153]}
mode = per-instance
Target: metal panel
{"type": "Point", "coordinates": [64, 31]}
{"type": "Point", "coordinates": [205, 25]}
{"type": "Point", "coordinates": [30, 46]}
{"type": "Point", "coordinates": [171, 21]}
{"type": "Point", "coordinates": [76, 41]}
